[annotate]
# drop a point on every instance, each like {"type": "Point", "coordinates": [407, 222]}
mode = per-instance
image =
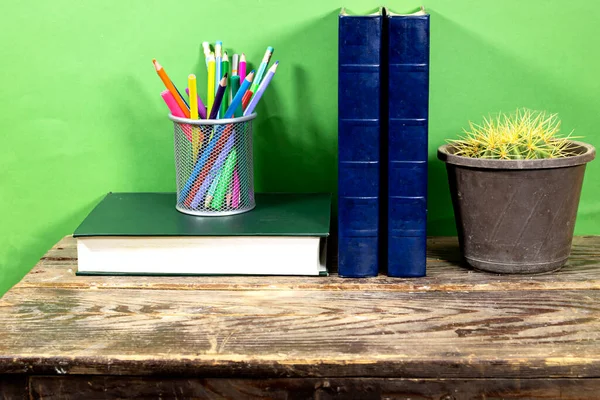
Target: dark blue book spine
{"type": "Point", "coordinates": [358, 144]}
{"type": "Point", "coordinates": [408, 115]}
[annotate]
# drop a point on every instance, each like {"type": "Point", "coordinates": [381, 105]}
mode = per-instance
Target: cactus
{"type": "Point", "coordinates": [522, 135]}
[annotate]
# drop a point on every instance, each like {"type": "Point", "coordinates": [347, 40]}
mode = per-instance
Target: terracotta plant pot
{"type": "Point", "coordinates": [516, 216]}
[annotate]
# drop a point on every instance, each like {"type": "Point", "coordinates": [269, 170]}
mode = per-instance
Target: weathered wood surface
{"type": "Point", "coordinates": [114, 387]}
{"type": "Point", "coordinates": [454, 324]}
{"type": "Point", "coordinates": [58, 267]}
{"type": "Point", "coordinates": [304, 333]}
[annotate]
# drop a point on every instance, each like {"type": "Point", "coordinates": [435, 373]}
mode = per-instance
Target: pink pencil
{"type": "Point", "coordinates": [172, 104]}
{"type": "Point", "coordinates": [176, 111]}
{"type": "Point", "coordinates": [235, 201]}
{"type": "Point", "coordinates": [242, 67]}
{"type": "Point", "coordinates": [228, 198]}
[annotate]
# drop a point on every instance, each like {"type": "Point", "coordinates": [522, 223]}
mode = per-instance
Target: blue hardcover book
{"type": "Point", "coordinates": [408, 102]}
{"type": "Point", "coordinates": [358, 143]}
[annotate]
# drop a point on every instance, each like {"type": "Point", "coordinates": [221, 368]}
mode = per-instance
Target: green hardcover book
{"type": "Point", "coordinates": [143, 234]}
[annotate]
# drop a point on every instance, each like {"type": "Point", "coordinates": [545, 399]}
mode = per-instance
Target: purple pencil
{"type": "Point", "coordinates": [218, 97]}
{"type": "Point", "coordinates": [261, 89]}
{"type": "Point", "coordinates": [214, 171]}
{"type": "Point", "coordinates": [201, 106]}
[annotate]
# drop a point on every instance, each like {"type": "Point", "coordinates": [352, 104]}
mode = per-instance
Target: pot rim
{"type": "Point", "coordinates": [444, 153]}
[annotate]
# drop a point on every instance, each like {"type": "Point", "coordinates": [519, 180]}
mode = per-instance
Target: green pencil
{"type": "Point", "coordinates": [211, 190]}
{"type": "Point", "coordinates": [235, 86]}
{"type": "Point", "coordinates": [261, 69]}
{"type": "Point", "coordinates": [224, 70]}
{"type": "Point", "coordinates": [224, 181]}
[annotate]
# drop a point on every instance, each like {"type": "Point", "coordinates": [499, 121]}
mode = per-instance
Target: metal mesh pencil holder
{"type": "Point", "coordinates": [213, 165]}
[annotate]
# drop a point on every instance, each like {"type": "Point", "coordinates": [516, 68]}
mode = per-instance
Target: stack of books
{"type": "Point", "coordinates": [143, 234]}
{"type": "Point", "coordinates": [382, 135]}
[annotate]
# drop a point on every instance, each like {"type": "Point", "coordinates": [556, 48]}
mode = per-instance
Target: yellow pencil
{"type": "Point", "coordinates": [193, 96]}
{"type": "Point", "coordinates": [193, 93]}
{"type": "Point", "coordinates": [211, 81]}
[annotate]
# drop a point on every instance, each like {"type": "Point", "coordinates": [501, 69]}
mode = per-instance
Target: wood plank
{"type": "Point", "coordinates": [13, 387]}
{"type": "Point", "coordinates": [301, 333]}
{"type": "Point", "coordinates": [57, 269]}
{"type": "Point", "coordinates": [101, 387]}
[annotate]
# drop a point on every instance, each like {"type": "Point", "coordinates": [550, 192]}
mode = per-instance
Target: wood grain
{"type": "Point", "coordinates": [58, 267]}
{"type": "Point", "coordinates": [301, 334]}
{"type": "Point", "coordinates": [289, 337]}
{"type": "Point", "coordinates": [115, 387]}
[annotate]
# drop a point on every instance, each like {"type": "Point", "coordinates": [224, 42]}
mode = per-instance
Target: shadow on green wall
{"type": "Point", "coordinates": [296, 149]}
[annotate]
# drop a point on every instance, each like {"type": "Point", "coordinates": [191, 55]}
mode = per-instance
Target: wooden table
{"type": "Point", "coordinates": [457, 334]}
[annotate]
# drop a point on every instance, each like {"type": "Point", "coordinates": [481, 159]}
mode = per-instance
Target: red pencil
{"type": "Point", "coordinates": [246, 99]}
{"type": "Point", "coordinates": [227, 131]}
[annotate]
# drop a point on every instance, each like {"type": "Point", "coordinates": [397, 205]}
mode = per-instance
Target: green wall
{"type": "Point", "coordinates": [82, 115]}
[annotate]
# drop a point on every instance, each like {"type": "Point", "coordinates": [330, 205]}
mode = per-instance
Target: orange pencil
{"type": "Point", "coordinates": [246, 98]}
{"type": "Point", "coordinates": [171, 88]}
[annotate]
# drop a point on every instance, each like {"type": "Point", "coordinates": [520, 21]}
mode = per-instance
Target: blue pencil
{"type": "Point", "coordinates": [198, 167]}
{"type": "Point", "coordinates": [214, 171]}
{"type": "Point", "coordinates": [237, 100]}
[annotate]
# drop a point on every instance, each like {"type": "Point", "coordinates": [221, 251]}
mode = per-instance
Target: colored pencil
{"type": "Point", "coordinates": [198, 175]}
{"type": "Point", "coordinates": [176, 112]}
{"type": "Point", "coordinates": [235, 201]}
{"type": "Point", "coordinates": [262, 68]}
{"type": "Point", "coordinates": [224, 71]}
{"type": "Point", "coordinates": [210, 99]}
{"type": "Point", "coordinates": [169, 79]}
{"type": "Point", "coordinates": [201, 106]}
{"type": "Point", "coordinates": [235, 60]}
{"type": "Point", "coordinates": [171, 88]}
{"type": "Point", "coordinates": [214, 173]}
{"type": "Point", "coordinates": [192, 91]}
{"type": "Point", "coordinates": [228, 196]}
{"type": "Point", "coordinates": [237, 100]}
{"type": "Point", "coordinates": [224, 180]}
{"type": "Point", "coordinates": [218, 55]}
{"type": "Point", "coordinates": [242, 67]}
{"type": "Point", "coordinates": [212, 189]}
{"type": "Point", "coordinates": [206, 161]}
{"type": "Point", "coordinates": [261, 89]}
{"type": "Point", "coordinates": [218, 98]}
{"type": "Point", "coordinates": [234, 83]}
{"type": "Point", "coordinates": [196, 134]}
{"type": "Point", "coordinates": [246, 98]}
{"type": "Point", "coordinates": [206, 49]}
{"type": "Point", "coordinates": [172, 104]}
